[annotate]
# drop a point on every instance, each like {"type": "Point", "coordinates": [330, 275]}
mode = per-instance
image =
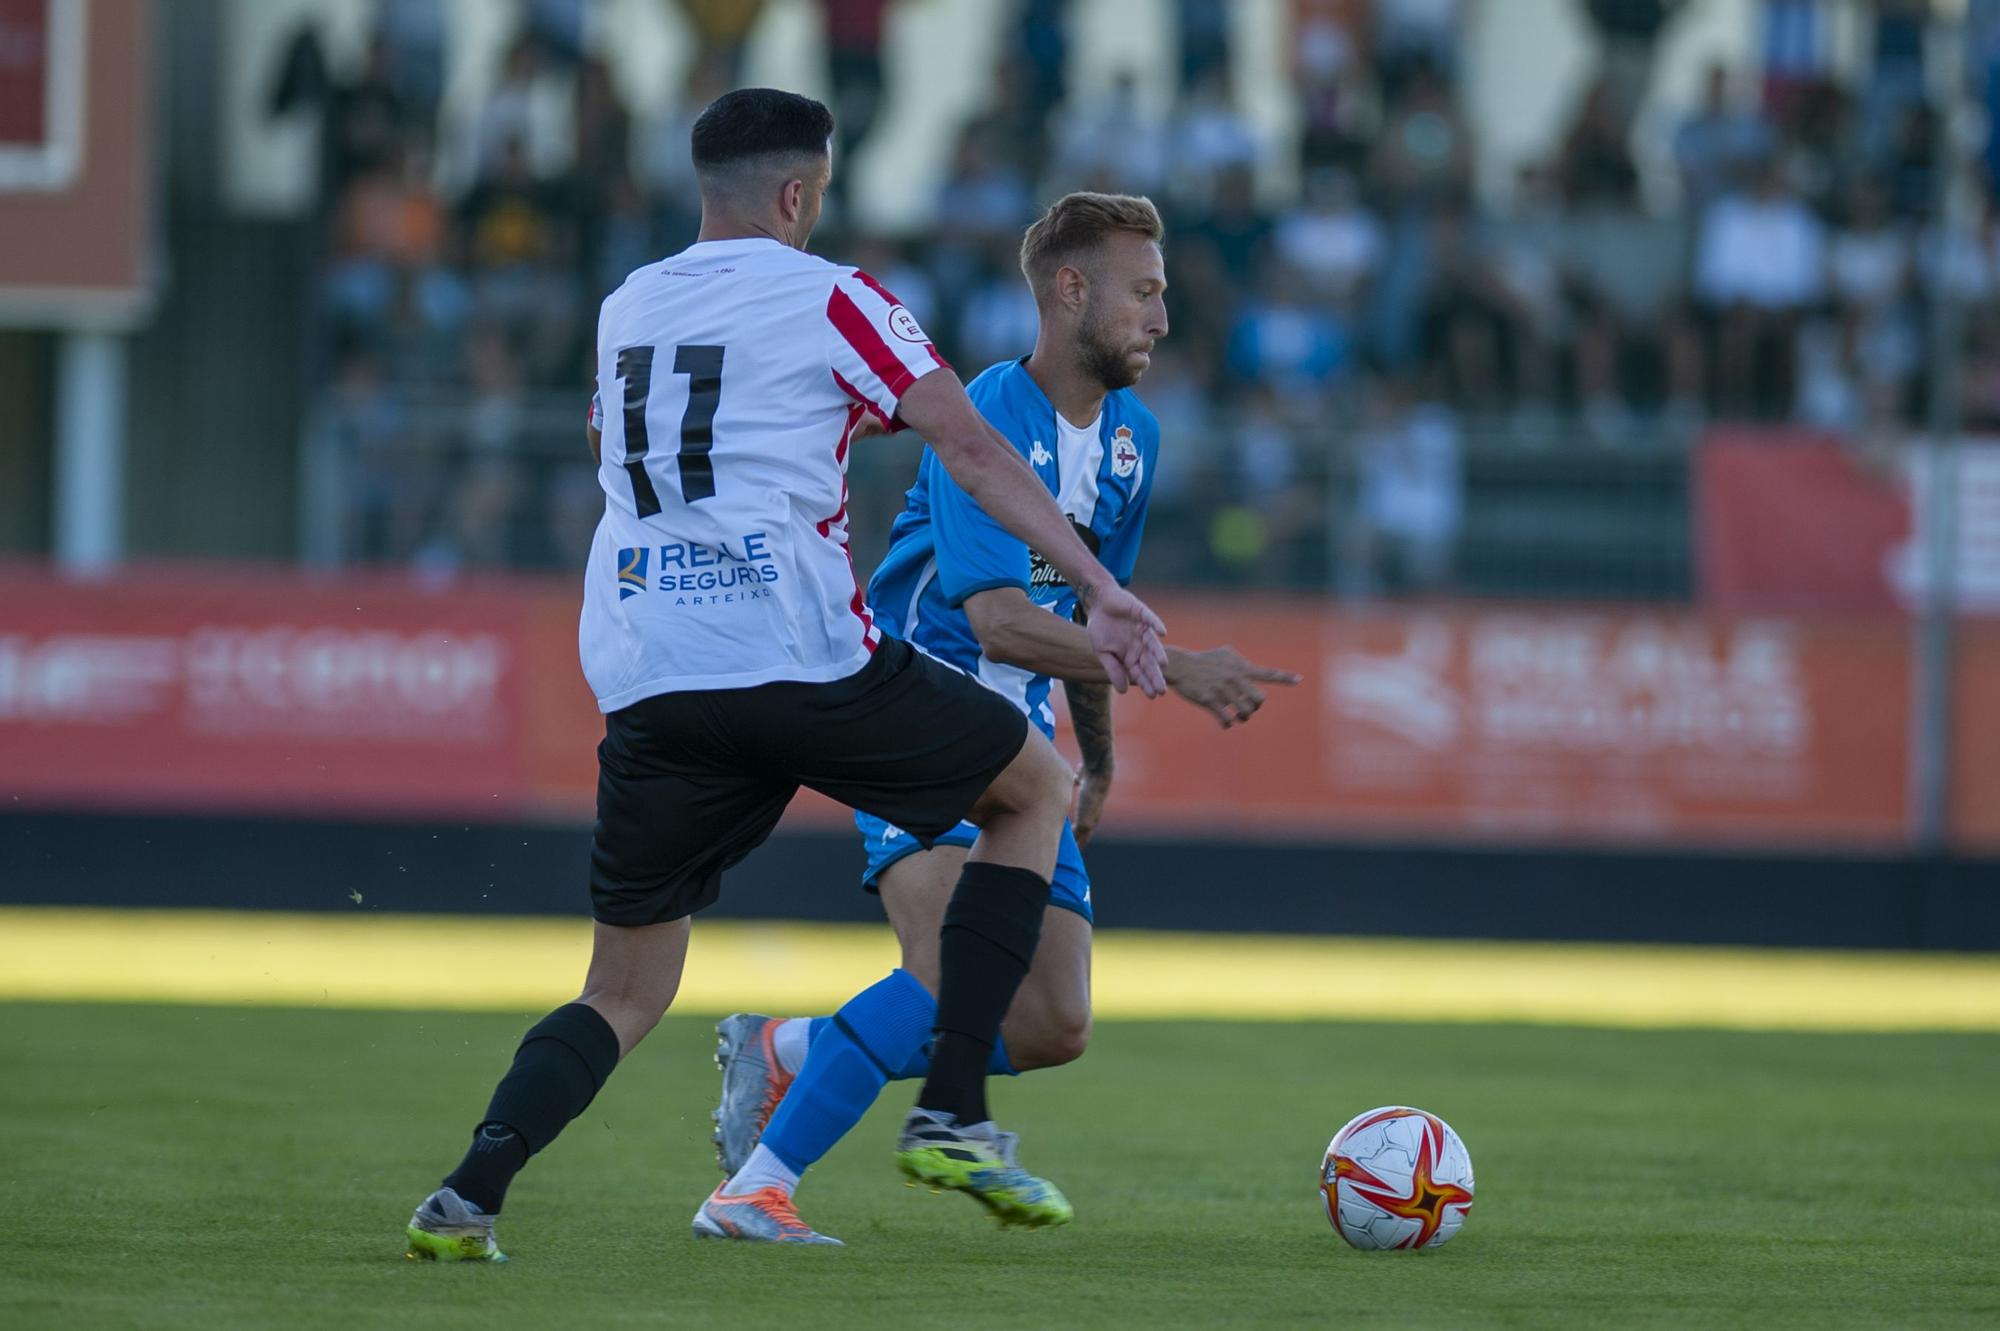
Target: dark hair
{"type": "Point", "coordinates": [759, 122]}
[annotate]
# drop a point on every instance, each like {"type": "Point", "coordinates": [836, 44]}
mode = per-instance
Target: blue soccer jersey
{"type": "Point", "coordinates": [944, 549]}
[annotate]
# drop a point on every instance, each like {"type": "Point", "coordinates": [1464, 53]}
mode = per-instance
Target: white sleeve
{"type": "Point", "coordinates": [876, 347]}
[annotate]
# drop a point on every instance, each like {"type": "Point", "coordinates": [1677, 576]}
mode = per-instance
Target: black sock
{"type": "Point", "coordinates": [990, 931]}
{"type": "Point", "coordinates": [558, 1070]}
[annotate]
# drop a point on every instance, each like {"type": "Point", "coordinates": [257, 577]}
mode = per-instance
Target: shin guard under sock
{"type": "Point", "coordinates": [558, 1069]}
{"type": "Point", "coordinates": [990, 932]}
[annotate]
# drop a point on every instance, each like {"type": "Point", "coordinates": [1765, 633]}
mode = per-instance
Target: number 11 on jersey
{"type": "Point", "coordinates": [703, 366]}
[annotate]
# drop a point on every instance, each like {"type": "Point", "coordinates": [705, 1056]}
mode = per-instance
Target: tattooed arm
{"type": "Point", "coordinates": [1090, 717]}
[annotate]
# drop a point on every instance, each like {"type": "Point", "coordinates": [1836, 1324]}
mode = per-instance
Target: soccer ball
{"type": "Point", "coordinates": [1396, 1177]}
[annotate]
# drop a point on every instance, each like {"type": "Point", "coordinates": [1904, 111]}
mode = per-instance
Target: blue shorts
{"type": "Point", "coordinates": [886, 844]}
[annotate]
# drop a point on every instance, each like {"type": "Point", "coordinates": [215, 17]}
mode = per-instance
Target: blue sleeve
{"type": "Point", "coordinates": [974, 553]}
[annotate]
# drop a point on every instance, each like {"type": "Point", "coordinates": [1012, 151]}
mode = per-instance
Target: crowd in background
{"type": "Point", "coordinates": [1336, 347]}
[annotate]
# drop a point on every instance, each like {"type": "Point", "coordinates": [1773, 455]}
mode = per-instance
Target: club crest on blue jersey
{"type": "Point", "coordinates": [632, 571]}
{"type": "Point", "coordinates": [1124, 453]}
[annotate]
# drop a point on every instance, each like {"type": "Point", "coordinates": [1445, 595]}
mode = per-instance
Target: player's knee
{"type": "Point", "coordinates": [1059, 1040]}
{"type": "Point", "coordinates": [1048, 783]}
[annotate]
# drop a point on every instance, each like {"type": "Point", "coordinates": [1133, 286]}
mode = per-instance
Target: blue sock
{"type": "Point", "coordinates": [919, 1065]}
{"type": "Point", "coordinates": [847, 1066]}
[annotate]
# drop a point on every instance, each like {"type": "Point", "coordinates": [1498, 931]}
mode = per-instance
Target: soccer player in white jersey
{"type": "Point", "coordinates": [962, 589]}
{"type": "Point", "coordinates": [735, 659]}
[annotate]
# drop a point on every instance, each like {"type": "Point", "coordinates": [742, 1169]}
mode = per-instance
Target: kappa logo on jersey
{"type": "Point", "coordinates": [1124, 453]}
{"type": "Point", "coordinates": [904, 325]}
{"type": "Point", "coordinates": [632, 572]}
{"type": "Point", "coordinates": [1039, 456]}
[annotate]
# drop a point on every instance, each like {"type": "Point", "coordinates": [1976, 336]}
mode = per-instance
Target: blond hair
{"type": "Point", "coordinates": [1078, 223]}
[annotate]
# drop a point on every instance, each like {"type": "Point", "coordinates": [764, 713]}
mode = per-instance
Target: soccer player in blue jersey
{"type": "Point", "coordinates": [957, 585]}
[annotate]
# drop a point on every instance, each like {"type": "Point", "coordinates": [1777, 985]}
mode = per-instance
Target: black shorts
{"type": "Point", "coordinates": [690, 783]}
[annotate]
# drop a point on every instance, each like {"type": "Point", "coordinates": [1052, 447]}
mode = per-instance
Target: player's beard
{"type": "Point", "coordinates": [1102, 358]}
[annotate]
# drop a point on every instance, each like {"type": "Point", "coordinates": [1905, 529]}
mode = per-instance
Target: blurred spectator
{"type": "Point", "coordinates": [854, 63]}
{"type": "Point", "coordinates": [556, 27]}
{"type": "Point", "coordinates": [1422, 167]}
{"type": "Point", "coordinates": [1111, 144]}
{"type": "Point", "coordinates": [365, 121]}
{"type": "Point", "coordinates": [621, 237]}
{"type": "Point", "coordinates": [1911, 170]}
{"type": "Point", "coordinates": [414, 33]}
{"type": "Point", "coordinates": [1868, 269]}
{"type": "Point", "coordinates": [665, 164]}
{"type": "Point", "coordinates": [1204, 39]}
{"type": "Point", "coordinates": [722, 31]}
{"type": "Point", "coordinates": [388, 488]}
{"type": "Point", "coordinates": [1635, 346]}
{"type": "Point", "coordinates": [1409, 495]}
{"type": "Point", "coordinates": [1211, 139]}
{"type": "Point", "coordinates": [569, 522]}
{"type": "Point", "coordinates": [1419, 33]}
{"type": "Point", "coordinates": [985, 197]}
{"type": "Point", "coordinates": [1719, 145]}
{"type": "Point", "coordinates": [1629, 31]}
{"type": "Point", "coordinates": [1231, 238]}
{"type": "Point", "coordinates": [1423, 160]}
{"type": "Point", "coordinates": [603, 129]}
{"type": "Point", "coordinates": [1041, 54]}
{"type": "Point", "coordinates": [390, 228]}
{"type": "Point", "coordinates": [1596, 163]}
{"type": "Point", "coordinates": [1330, 239]}
{"type": "Point", "coordinates": [1524, 252]}
{"type": "Point", "coordinates": [1000, 320]}
{"type": "Point", "coordinates": [1179, 390]}
{"type": "Point", "coordinates": [531, 111]}
{"type": "Point", "coordinates": [1332, 71]}
{"type": "Point", "coordinates": [477, 526]}
{"type": "Point", "coordinates": [1794, 52]}
{"type": "Point", "coordinates": [523, 253]}
{"type": "Point", "coordinates": [1896, 76]}
{"type": "Point", "coordinates": [1817, 147]}
{"type": "Point", "coordinates": [603, 192]}
{"type": "Point", "coordinates": [1282, 340]}
{"type": "Point", "coordinates": [1759, 266]}
{"type": "Point", "coordinates": [1982, 45]}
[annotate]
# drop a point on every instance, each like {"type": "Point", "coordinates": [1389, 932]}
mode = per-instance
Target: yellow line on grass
{"type": "Point", "coordinates": [439, 962]}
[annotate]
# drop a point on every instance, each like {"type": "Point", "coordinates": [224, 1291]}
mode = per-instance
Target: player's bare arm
{"type": "Point", "coordinates": [1015, 631]}
{"type": "Point", "coordinates": [1124, 633]}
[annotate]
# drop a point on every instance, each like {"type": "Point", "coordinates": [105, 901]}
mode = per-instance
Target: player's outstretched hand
{"type": "Point", "coordinates": [1126, 636]}
{"type": "Point", "coordinates": [1224, 684]}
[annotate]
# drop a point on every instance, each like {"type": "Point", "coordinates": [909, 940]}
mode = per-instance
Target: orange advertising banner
{"type": "Point", "coordinates": [1541, 725]}
{"type": "Point", "coordinates": [239, 691]}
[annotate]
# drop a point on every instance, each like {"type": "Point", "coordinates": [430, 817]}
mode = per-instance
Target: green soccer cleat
{"type": "Point", "coordinates": [978, 1161]}
{"type": "Point", "coordinates": [447, 1228]}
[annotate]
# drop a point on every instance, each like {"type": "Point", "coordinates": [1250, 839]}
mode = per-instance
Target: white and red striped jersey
{"type": "Point", "coordinates": [730, 379]}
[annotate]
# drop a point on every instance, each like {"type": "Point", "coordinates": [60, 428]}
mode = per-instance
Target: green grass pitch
{"type": "Point", "coordinates": [238, 1167]}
